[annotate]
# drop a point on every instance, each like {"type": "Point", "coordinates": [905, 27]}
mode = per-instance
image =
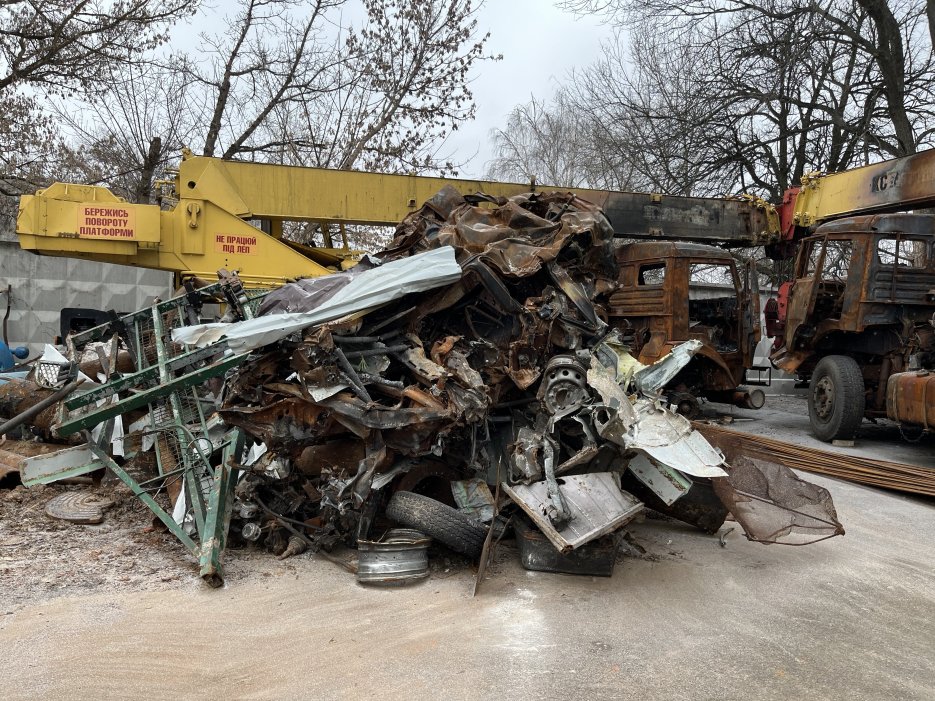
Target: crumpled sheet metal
{"type": "Point", "coordinates": [669, 438]}
{"type": "Point", "coordinates": [371, 288]}
{"type": "Point", "coordinates": [653, 378]}
{"type": "Point", "coordinates": [306, 294]}
{"type": "Point", "coordinates": [645, 424]}
{"type": "Point", "coordinates": [773, 505]}
{"type": "Point", "coordinates": [516, 238]}
{"type": "Point", "coordinates": [770, 502]}
{"type": "Point", "coordinates": [596, 503]}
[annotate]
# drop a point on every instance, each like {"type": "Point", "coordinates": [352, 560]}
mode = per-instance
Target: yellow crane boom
{"type": "Point", "coordinates": [210, 226]}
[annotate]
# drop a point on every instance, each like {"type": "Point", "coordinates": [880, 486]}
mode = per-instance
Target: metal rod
{"type": "Point", "coordinates": [352, 375]}
{"type": "Point", "coordinates": [376, 351]}
{"type": "Point", "coordinates": [880, 473]}
{"type": "Point", "coordinates": [387, 322]}
{"type": "Point", "coordinates": [365, 339]}
{"type": "Point", "coordinates": [9, 298]}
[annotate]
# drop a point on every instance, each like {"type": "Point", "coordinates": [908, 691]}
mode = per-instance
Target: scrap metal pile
{"type": "Point", "coordinates": [459, 382]}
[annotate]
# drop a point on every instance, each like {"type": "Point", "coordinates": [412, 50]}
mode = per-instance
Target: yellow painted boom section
{"type": "Point", "coordinates": [893, 185]}
{"type": "Point", "coordinates": [195, 239]}
{"type": "Point", "coordinates": [294, 193]}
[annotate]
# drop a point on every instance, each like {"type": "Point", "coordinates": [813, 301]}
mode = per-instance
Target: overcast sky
{"type": "Point", "coordinates": [540, 45]}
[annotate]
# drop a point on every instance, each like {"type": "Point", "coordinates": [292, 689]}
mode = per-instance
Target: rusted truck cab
{"type": "Point", "coordinates": [857, 314]}
{"type": "Point", "coordinates": [671, 292]}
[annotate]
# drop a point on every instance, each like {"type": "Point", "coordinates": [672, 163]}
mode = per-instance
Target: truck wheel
{"type": "Point", "coordinates": [458, 531]}
{"type": "Point", "coordinates": [836, 398]}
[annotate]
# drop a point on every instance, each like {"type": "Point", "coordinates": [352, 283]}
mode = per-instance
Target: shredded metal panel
{"type": "Point", "coordinates": [596, 504]}
{"type": "Point", "coordinates": [51, 467]}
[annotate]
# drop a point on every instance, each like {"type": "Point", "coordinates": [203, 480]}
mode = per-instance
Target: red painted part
{"type": "Point", "coordinates": [771, 315]}
{"type": "Point", "coordinates": [786, 213]}
{"type": "Point", "coordinates": [774, 312]}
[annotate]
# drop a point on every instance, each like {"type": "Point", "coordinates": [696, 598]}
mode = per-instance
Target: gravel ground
{"type": "Point", "coordinates": [43, 557]}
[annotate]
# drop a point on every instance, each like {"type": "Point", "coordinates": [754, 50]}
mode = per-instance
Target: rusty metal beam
{"type": "Point", "coordinates": [879, 473]}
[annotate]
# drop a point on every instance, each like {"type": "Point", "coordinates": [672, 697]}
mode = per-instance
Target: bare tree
{"type": "Point", "coordinates": [651, 111]}
{"type": "Point", "coordinates": [403, 88]}
{"type": "Point", "coordinates": [124, 141]}
{"type": "Point", "coordinates": [550, 142]}
{"type": "Point", "coordinates": [273, 52]}
{"type": "Point", "coordinates": [776, 88]}
{"type": "Point", "coordinates": [62, 44]}
{"type": "Point", "coordinates": [285, 82]}
{"type": "Point", "coordinates": [57, 47]}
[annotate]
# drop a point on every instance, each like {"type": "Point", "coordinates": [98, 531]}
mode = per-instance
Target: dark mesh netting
{"type": "Point", "coordinates": [766, 498]}
{"type": "Point", "coordinates": [772, 505]}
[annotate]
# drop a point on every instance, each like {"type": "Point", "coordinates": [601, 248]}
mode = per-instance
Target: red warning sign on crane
{"type": "Point", "coordinates": [235, 243]}
{"type": "Point", "coordinates": [107, 221]}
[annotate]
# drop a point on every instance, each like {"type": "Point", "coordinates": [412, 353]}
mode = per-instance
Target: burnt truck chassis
{"type": "Point", "coordinates": [857, 322]}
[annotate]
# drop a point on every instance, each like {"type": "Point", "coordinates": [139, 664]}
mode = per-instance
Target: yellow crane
{"type": "Point", "coordinates": [231, 214]}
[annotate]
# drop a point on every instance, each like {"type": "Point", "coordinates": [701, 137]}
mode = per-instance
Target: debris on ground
{"type": "Point", "coordinates": [464, 383]}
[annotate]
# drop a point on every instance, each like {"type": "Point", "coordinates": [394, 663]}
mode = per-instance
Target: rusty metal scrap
{"type": "Point", "coordinates": [510, 370]}
{"type": "Point", "coordinates": [500, 373]}
{"type": "Point", "coordinates": [878, 473]}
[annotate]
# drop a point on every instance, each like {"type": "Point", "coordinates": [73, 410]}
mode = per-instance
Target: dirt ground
{"type": "Point", "coordinates": [43, 558]}
{"type": "Point", "coordinates": [116, 610]}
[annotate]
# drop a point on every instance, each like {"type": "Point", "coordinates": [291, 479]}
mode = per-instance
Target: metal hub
{"type": "Point", "coordinates": [823, 398]}
{"type": "Point", "coordinates": [685, 404]}
{"type": "Point", "coordinates": [564, 387]}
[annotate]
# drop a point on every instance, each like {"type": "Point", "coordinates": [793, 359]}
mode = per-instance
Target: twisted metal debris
{"type": "Point", "coordinates": [475, 353]}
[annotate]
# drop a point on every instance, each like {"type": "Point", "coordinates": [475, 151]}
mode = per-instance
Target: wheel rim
{"type": "Point", "coordinates": [823, 398]}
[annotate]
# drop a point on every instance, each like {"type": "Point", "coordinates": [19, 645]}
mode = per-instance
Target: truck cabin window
{"type": "Point", "coordinates": [712, 276]}
{"type": "Point", "coordinates": [812, 256]}
{"type": "Point", "coordinates": [837, 260]}
{"type": "Point", "coordinates": [712, 304]}
{"type": "Point", "coordinates": [903, 253]}
{"type": "Point", "coordinates": [652, 274]}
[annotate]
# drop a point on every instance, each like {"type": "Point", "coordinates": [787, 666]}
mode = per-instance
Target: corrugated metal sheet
{"type": "Point", "coordinates": [43, 286]}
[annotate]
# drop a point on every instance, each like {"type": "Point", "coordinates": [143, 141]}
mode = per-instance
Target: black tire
{"type": "Point", "coordinates": [836, 399]}
{"type": "Point", "coordinates": [458, 531]}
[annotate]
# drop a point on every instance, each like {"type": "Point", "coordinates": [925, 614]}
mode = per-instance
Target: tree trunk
{"type": "Point", "coordinates": [891, 59]}
{"type": "Point", "coordinates": [145, 186]}
{"type": "Point", "coordinates": [930, 11]}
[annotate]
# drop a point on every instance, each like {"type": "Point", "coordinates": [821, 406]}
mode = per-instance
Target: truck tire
{"type": "Point", "coordinates": [458, 531]}
{"type": "Point", "coordinates": [836, 398]}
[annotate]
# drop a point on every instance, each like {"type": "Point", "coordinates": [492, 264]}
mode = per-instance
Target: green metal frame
{"type": "Point", "coordinates": [212, 529]}
{"type": "Point", "coordinates": [167, 380]}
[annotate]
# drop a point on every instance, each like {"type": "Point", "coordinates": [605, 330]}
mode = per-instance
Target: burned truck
{"type": "Point", "coordinates": [658, 304]}
{"type": "Point", "coordinates": [856, 322]}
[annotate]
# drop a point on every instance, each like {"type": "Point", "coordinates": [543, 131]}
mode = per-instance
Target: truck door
{"type": "Point", "coordinates": [804, 290]}
{"type": "Point", "coordinates": [749, 332]}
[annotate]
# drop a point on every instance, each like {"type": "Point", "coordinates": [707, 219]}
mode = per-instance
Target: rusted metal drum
{"type": "Point", "coordinates": [910, 398]}
{"type": "Point", "coordinates": [399, 557]}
